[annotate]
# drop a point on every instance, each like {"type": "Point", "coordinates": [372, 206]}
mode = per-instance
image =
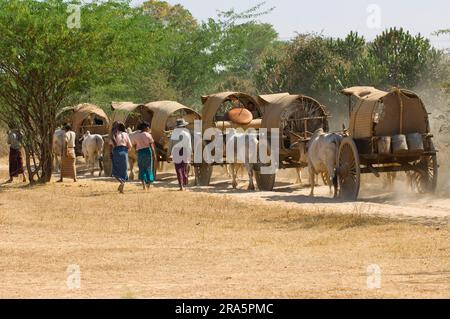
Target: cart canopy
{"type": "Point", "coordinates": [83, 115]}
{"type": "Point", "coordinates": [131, 114]}
{"type": "Point", "coordinates": [165, 115]}
{"type": "Point", "coordinates": [295, 111]}
{"type": "Point", "coordinates": [380, 113]}
{"type": "Point", "coordinates": [213, 103]}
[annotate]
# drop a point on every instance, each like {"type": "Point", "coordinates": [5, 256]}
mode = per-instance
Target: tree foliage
{"type": "Point", "coordinates": [159, 51]}
{"type": "Point", "coordinates": [42, 62]}
{"type": "Point", "coordinates": [321, 67]}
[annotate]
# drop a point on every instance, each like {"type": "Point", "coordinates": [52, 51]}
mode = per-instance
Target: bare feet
{"type": "Point", "coordinates": [60, 181]}
{"type": "Point", "coordinates": [121, 187]}
{"type": "Point", "coordinates": [9, 181]}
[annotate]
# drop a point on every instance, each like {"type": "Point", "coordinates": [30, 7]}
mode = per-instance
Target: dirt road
{"type": "Point", "coordinates": [216, 242]}
{"type": "Point", "coordinates": [376, 199]}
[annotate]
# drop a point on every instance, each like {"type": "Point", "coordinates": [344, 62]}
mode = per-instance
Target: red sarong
{"type": "Point", "coordinates": [15, 162]}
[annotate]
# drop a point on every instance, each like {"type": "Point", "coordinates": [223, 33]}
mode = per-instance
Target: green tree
{"type": "Point", "coordinates": [43, 62]}
{"type": "Point", "coordinates": [350, 48]}
{"type": "Point", "coordinates": [270, 76]}
{"type": "Point", "coordinates": [405, 56]}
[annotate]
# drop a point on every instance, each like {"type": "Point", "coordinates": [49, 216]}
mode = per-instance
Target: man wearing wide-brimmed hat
{"type": "Point", "coordinates": [181, 150]}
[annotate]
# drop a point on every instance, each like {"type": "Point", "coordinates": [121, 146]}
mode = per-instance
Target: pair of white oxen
{"type": "Point", "coordinates": [320, 153]}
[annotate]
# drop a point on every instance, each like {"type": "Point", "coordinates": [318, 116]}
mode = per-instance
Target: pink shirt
{"type": "Point", "coordinates": [142, 140]}
{"type": "Point", "coordinates": [121, 139]}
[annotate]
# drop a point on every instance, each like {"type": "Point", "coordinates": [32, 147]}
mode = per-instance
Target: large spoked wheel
{"type": "Point", "coordinates": [348, 167]}
{"type": "Point", "coordinates": [203, 174]}
{"type": "Point", "coordinates": [265, 182]}
{"type": "Point", "coordinates": [425, 177]}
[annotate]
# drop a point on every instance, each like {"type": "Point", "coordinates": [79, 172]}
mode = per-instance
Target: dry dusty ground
{"type": "Point", "coordinates": [215, 242]}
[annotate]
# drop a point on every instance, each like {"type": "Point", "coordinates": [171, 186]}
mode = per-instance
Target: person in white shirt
{"type": "Point", "coordinates": [181, 151]}
{"type": "Point", "coordinates": [68, 168]}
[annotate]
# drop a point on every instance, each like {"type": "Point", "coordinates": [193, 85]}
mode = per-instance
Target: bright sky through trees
{"type": "Point", "coordinates": [338, 18]}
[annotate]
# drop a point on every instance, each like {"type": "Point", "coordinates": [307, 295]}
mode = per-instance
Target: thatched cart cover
{"type": "Point", "coordinates": [124, 106]}
{"type": "Point", "coordinates": [165, 114]}
{"type": "Point", "coordinates": [83, 115]}
{"type": "Point", "coordinates": [272, 98]}
{"type": "Point", "coordinates": [380, 113]}
{"type": "Point", "coordinates": [130, 113]}
{"type": "Point", "coordinates": [212, 104]}
{"type": "Point", "coordinates": [295, 111]}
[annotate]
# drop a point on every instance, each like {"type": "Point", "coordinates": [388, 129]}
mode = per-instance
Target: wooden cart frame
{"type": "Point", "coordinates": [373, 115]}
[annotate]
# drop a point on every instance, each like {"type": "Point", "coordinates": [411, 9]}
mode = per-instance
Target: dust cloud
{"type": "Point", "coordinates": [437, 102]}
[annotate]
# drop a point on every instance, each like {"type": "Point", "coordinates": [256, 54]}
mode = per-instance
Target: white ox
{"type": "Point", "coordinates": [57, 146]}
{"type": "Point", "coordinates": [92, 149]}
{"type": "Point", "coordinates": [322, 154]}
{"type": "Point", "coordinates": [245, 155]}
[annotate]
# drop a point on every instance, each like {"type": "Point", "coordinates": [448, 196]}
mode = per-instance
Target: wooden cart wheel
{"type": "Point", "coordinates": [348, 167]}
{"type": "Point", "coordinates": [306, 108]}
{"type": "Point", "coordinates": [425, 179]}
{"type": "Point", "coordinates": [203, 174]}
{"type": "Point", "coordinates": [265, 182]}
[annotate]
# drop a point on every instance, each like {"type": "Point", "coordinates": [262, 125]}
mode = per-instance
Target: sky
{"type": "Point", "coordinates": [338, 18]}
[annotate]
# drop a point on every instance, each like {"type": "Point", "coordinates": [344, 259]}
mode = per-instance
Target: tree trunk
{"type": "Point", "coordinates": [30, 171]}
{"type": "Point", "coordinates": [46, 159]}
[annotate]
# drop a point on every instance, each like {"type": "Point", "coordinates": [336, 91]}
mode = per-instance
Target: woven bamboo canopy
{"type": "Point", "coordinates": [269, 99]}
{"type": "Point", "coordinates": [213, 103]}
{"type": "Point", "coordinates": [295, 108]}
{"type": "Point", "coordinates": [83, 115]}
{"type": "Point", "coordinates": [161, 115]}
{"type": "Point", "coordinates": [165, 115]}
{"type": "Point", "coordinates": [380, 113]}
{"type": "Point", "coordinates": [130, 113]}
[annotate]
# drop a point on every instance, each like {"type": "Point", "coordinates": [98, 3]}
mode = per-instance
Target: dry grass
{"type": "Point", "coordinates": [170, 244]}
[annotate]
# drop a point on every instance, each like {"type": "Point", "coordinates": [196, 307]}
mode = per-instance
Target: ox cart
{"type": "Point", "coordinates": [388, 132]}
{"type": "Point", "coordinates": [296, 116]}
{"type": "Point", "coordinates": [161, 115]}
{"type": "Point", "coordinates": [84, 118]}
